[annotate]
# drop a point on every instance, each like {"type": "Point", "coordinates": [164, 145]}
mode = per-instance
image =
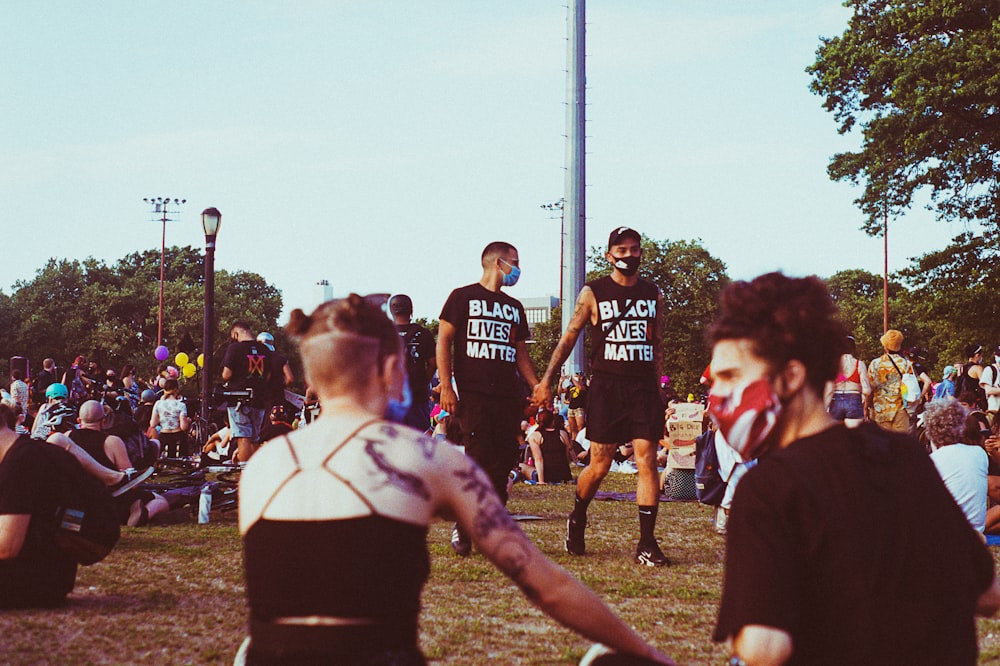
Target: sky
{"type": "Point", "coordinates": [381, 144]}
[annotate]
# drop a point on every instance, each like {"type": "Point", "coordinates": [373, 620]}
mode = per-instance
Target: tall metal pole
{"type": "Point", "coordinates": [885, 269]}
{"type": "Point", "coordinates": [160, 207]}
{"type": "Point", "coordinates": [574, 211]}
{"type": "Point", "coordinates": [163, 263]}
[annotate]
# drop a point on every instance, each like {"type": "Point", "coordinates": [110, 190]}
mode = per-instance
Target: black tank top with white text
{"type": "Point", "coordinates": [627, 316]}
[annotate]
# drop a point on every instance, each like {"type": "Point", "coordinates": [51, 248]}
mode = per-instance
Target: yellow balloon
{"type": "Point", "coordinates": [201, 360]}
{"type": "Point", "coordinates": [181, 359]}
{"type": "Point", "coordinates": [189, 370]}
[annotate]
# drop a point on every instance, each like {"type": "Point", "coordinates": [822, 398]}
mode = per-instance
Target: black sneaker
{"type": "Point", "coordinates": [132, 478]}
{"type": "Point", "coordinates": [651, 556]}
{"type": "Point", "coordinates": [460, 542]}
{"type": "Point", "coordinates": [574, 536]}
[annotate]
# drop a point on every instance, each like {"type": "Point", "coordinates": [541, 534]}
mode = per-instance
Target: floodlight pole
{"type": "Point", "coordinates": [574, 209]}
{"type": "Point", "coordinates": [160, 206]}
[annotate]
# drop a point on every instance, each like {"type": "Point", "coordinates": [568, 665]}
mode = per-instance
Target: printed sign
{"type": "Point", "coordinates": [684, 425]}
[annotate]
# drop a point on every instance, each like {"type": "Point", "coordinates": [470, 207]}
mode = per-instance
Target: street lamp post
{"type": "Point", "coordinates": [211, 219]}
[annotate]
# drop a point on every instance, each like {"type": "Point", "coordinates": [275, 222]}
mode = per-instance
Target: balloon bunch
{"type": "Point", "coordinates": [182, 361]}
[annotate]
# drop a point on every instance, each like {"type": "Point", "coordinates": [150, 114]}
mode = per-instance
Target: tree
{"type": "Point", "coordinates": [109, 313]}
{"type": "Point", "coordinates": [545, 336]}
{"type": "Point", "coordinates": [921, 80]}
{"type": "Point", "coordinates": [858, 295]}
{"type": "Point", "coordinates": [954, 295]}
{"type": "Point", "coordinates": [691, 280]}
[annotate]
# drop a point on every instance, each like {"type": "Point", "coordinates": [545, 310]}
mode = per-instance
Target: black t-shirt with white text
{"type": "Point", "coordinates": [627, 315]}
{"type": "Point", "coordinates": [488, 326]}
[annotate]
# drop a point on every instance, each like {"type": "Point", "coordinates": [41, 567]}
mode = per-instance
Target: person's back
{"type": "Point", "coordinates": [39, 574]}
{"type": "Point", "coordinates": [352, 526]}
{"type": "Point", "coordinates": [898, 571]}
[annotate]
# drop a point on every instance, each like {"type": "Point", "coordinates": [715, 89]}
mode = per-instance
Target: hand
{"type": "Point", "coordinates": [449, 400]}
{"type": "Point", "coordinates": [541, 395]}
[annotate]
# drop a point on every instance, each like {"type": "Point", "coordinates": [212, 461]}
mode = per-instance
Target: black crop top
{"type": "Point", "coordinates": [368, 567]}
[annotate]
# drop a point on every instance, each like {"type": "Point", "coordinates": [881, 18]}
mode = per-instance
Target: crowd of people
{"type": "Point", "coordinates": [822, 529]}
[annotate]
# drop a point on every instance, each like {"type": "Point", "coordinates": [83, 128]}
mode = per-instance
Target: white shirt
{"type": "Point", "coordinates": [988, 379]}
{"type": "Point", "coordinates": [963, 468]}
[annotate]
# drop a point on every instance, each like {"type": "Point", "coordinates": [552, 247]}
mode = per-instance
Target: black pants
{"type": "Point", "coordinates": [490, 426]}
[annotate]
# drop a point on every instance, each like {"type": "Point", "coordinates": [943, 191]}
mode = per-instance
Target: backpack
{"type": "Point", "coordinates": [709, 486]}
{"type": "Point", "coordinates": [141, 451]}
{"type": "Point", "coordinates": [85, 524]}
{"type": "Point", "coordinates": [966, 384]}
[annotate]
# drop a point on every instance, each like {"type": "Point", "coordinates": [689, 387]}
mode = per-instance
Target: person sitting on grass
{"type": "Point", "coordinates": [34, 573]}
{"type": "Point", "coordinates": [361, 492]}
{"type": "Point", "coordinates": [136, 507]}
{"type": "Point", "coordinates": [962, 464]}
{"type": "Point", "coordinates": [550, 450]}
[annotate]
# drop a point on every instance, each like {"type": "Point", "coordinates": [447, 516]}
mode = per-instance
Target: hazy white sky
{"type": "Point", "coordinates": [381, 144]}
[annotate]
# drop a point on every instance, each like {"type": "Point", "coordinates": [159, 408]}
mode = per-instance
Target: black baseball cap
{"type": "Point", "coordinates": [400, 304]}
{"type": "Point", "coordinates": [619, 232]}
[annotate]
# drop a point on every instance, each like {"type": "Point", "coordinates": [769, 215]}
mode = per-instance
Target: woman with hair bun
{"type": "Point", "coordinates": [360, 492]}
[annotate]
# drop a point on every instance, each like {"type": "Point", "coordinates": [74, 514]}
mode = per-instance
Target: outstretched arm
{"type": "Point", "coordinates": [586, 306]}
{"type": "Point", "coordinates": [468, 495]}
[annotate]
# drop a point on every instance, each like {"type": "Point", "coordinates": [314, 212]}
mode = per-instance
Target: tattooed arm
{"type": "Point", "coordinates": [586, 307]}
{"type": "Point", "coordinates": [468, 495]}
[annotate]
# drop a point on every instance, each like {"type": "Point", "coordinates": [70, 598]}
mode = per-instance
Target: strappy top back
{"type": "Point", "coordinates": [371, 567]}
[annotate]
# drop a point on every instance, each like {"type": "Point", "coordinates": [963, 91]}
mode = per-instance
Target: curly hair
{"type": "Point", "coordinates": [343, 339]}
{"type": "Point", "coordinates": [944, 421]}
{"type": "Point", "coordinates": [784, 318]}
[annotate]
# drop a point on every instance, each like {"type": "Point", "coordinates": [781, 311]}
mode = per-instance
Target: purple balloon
{"type": "Point", "coordinates": [161, 353]}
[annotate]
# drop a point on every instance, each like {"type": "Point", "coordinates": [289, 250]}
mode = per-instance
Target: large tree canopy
{"type": "Point", "coordinates": [922, 82]}
{"type": "Point", "coordinates": [109, 313]}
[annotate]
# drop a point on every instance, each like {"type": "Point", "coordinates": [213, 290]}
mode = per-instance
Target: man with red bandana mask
{"type": "Point", "coordinates": [831, 557]}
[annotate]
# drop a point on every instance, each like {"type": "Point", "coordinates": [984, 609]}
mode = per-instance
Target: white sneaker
{"type": "Point", "coordinates": [721, 519]}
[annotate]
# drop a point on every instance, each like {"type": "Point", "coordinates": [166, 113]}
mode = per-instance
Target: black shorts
{"type": "Point", "coordinates": [620, 409]}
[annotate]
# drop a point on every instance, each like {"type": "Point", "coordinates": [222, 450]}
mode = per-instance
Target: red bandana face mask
{"type": "Point", "coordinates": [746, 416]}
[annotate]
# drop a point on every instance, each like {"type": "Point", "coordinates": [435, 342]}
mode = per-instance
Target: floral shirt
{"type": "Point", "coordinates": [887, 383]}
{"type": "Point", "coordinates": [170, 411]}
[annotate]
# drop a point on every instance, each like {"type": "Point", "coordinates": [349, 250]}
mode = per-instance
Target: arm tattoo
{"type": "Point", "coordinates": [474, 480]}
{"type": "Point", "coordinates": [512, 559]}
{"type": "Point", "coordinates": [491, 515]}
{"type": "Point", "coordinates": [427, 445]}
{"type": "Point", "coordinates": [408, 483]}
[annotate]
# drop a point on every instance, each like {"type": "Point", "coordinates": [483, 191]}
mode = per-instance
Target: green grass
{"type": "Point", "coordinates": [174, 594]}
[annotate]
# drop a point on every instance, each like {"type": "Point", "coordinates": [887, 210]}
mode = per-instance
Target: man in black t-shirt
{"type": "Point", "coordinates": [34, 573]}
{"type": "Point", "coordinates": [418, 345]}
{"type": "Point", "coordinates": [831, 556]}
{"type": "Point", "coordinates": [281, 372]}
{"type": "Point", "coordinates": [624, 405]}
{"type": "Point", "coordinates": [482, 345]}
{"type": "Point", "coordinates": [247, 365]}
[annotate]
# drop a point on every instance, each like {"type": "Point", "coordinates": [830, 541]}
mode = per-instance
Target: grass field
{"type": "Point", "coordinates": [174, 594]}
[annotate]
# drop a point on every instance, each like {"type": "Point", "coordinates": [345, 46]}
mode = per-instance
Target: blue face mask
{"type": "Point", "coordinates": [395, 410]}
{"type": "Point", "coordinates": [510, 279]}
